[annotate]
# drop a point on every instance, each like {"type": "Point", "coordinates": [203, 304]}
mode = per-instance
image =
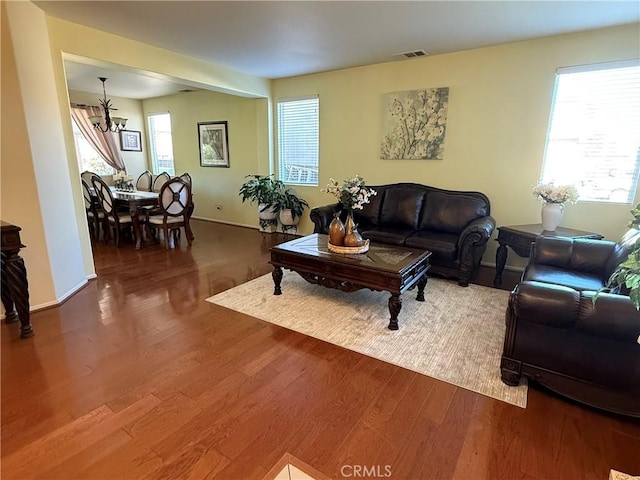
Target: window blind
{"type": "Point", "coordinates": [593, 140]}
{"type": "Point", "coordinates": [161, 143]}
{"type": "Point", "coordinates": [298, 141]}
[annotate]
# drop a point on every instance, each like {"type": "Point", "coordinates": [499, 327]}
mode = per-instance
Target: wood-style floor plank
{"type": "Point", "coordinates": [136, 377]}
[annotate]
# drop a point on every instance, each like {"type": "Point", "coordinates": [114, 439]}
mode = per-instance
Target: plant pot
{"type": "Point", "coordinates": [286, 218]}
{"type": "Point", "coordinates": [289, 224]}
{"type": "Point", "coordinates": [268, 218]}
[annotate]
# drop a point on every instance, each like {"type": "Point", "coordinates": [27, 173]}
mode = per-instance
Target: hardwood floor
{"type": "Point", "coordinates": [136, 376]}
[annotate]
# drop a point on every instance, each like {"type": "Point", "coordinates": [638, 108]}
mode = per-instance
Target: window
{"type": "Point", "coordinates": [298, 141]}
{"type": "Point", "coordinates": [160, 143]}
{"type": "Point", "coordinates": [593, 139]}
{"type": "Point", "coordinates": [89, 159]}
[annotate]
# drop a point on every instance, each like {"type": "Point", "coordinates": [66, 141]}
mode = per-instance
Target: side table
{"type": "Point", "coordinates": [520, 238]}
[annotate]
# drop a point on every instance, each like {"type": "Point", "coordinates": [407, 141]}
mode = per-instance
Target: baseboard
{"type": "Point", "coordinates": [215, 220]}
{"type": "Point", "coordinates": [72, 291]}
{"type": "Point", "coordinates": [61, 300]}
{"type": "Point", "coordinates": [92, 276]}
{"type": "Point", "coordinates": [506, 267]}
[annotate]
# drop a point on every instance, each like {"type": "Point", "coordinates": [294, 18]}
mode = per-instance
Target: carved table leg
{"type": "Point", "coordinates": [19, 290]}
{"type": "Point", "coordinates": [395, 304]}
{"type": "Point", "coordinates": [10, 313]}
{"type": "Point", "coordinates": [422, 283]}
{"type": "Point", "coordinates": [277, 278]}
{"type": "Point", "coordinates": [135, 224]}
{"type": "Point", "coordinates": [501, 260]}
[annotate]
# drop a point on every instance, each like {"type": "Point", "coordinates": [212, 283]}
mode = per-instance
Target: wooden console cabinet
{"type": "Point", "coordinates": [15, 288]}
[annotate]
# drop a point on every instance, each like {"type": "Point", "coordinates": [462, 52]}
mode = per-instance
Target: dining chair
{"type": "Point", "coordinates": [144, 181]}
{"type": "Point", "coordinates": [95, 214]}
{"type": "Point", "coordinates": [87, 176]}
{"type": "Point", "coordinates": [159, 181]}
{"type": "Point", "coordinates": [113, 218]}
{"type": "Point", "coordinates": [174, 201]}
{"type": "Point", "coordinates": [186, 178]}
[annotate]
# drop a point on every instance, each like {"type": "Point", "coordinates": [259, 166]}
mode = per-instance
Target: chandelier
{"type": "Point", "coordinates": [112, 124]}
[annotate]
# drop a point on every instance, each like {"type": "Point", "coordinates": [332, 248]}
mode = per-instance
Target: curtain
{"type": "Point", "coordinates": [103, 142]}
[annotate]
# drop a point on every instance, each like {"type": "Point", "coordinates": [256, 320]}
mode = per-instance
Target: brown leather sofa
{"type": "Point", "coordinates": [559, 338]}
{"type": "Point", "coordinates": [454, 225]}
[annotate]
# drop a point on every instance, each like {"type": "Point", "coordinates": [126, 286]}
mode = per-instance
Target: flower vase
{"type": "Point", "coordinates": [352, 237]}
{"type": "Point", "coordinates": [552, 216]}
{"type": "Point", "coordinates": [349, 224]}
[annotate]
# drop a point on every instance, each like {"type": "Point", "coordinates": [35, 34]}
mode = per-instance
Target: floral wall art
{"type": "Point", "coordinates": [414, 124]}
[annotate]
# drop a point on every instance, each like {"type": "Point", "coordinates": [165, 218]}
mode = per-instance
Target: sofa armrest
{"type": "Point", "coordinates": [478, 232]}
{"type": "Point", "coordinates": [546, 304]}
{"type": "Point", "coordinates": [323, 216]}
{"type": "Point", "coordinates": [612, 316]}
{"type": "Point", "coordinates": [582, 255]}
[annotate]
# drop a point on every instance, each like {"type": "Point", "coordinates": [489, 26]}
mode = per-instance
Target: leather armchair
{"type": "Point", "coordinates": [582, 264]}
{"type": "Point", "coordinates": [557, 336]}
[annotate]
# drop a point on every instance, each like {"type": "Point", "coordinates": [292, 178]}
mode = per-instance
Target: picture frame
{"type": "Point", "coordinates": [130, 141]}
{"type": "Point", "coordinates": [213, 141]}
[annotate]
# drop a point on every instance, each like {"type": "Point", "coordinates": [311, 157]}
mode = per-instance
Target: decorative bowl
{"type": "Point", "coordinates": [349, 250]}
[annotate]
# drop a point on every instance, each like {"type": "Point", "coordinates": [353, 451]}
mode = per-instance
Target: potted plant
{"type": "Point", "coordinates": [626, 277]}
{"type": "Point", "coordinates": [263, 190]}
{"type": "Point", "coordinates": [290, 208]}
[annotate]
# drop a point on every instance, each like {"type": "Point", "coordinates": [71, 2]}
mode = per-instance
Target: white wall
{"type": "Point", "coordinates": [30, 38]}
{"type": "Point", "coordinates": [20, 203]}
{"type": "Point", "coordinates": [215, 187]}
{"type": "Point", "coordinates": [499, 103]}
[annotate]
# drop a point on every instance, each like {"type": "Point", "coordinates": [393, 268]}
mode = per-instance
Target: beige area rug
{"type": "Point", "coordinates": [456, 335]}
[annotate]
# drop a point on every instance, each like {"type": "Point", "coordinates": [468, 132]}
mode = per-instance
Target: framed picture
{"type": "Point", "coordinates": [213, 139]}
{"type": "Point", "coordinates": [130, 141]}
{"type": "Point", "coordinates": [414, 124]}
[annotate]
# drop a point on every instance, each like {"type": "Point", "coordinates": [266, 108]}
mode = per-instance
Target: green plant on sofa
{"type": "Point", "coordinates": [627, 275]}
{"type": "Point", "coordinates": [262, 189]}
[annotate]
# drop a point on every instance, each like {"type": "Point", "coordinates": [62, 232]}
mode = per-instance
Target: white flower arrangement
{"type": "Point", "coordinates": [550, 193]}
{"type": "Point", "coordinates": [352, 194]}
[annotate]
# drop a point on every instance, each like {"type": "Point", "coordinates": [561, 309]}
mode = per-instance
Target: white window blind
{"type": "Point", "coordinates": [593, 140]}
{"type": "Point", "coordinates": [298, 141]}
{"type": "Point", "coordinates": [161, 143]}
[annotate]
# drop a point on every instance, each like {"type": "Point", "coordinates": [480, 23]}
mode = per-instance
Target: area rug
{"type": "Point", "coordinates": [455, 335]}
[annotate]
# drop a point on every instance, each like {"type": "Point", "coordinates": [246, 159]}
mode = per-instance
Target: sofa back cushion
{"type": "Point", "coordinates": [451, 212]}
{"type": "Point", "coordinates": [401, 208]}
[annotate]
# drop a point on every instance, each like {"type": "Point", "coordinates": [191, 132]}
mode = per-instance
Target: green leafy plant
{"type": "Point", "coordinates": [289, 200]}
{"type": "Point", "coordinates": [626, 276]}
{"type": "Point", "coordinates": [262, 189]}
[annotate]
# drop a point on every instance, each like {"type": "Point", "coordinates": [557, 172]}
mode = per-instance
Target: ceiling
{"type": "Point", "coordinates": [120, 82]}
{"type": "Point", "coordinates": [288, 38]}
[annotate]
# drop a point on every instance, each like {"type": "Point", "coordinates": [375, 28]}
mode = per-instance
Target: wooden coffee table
{"type": "Point", "coordinates": [383, 268]}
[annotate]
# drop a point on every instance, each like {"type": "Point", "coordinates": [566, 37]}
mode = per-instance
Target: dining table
{"type": "Point", "coordinates": [135, 201]}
